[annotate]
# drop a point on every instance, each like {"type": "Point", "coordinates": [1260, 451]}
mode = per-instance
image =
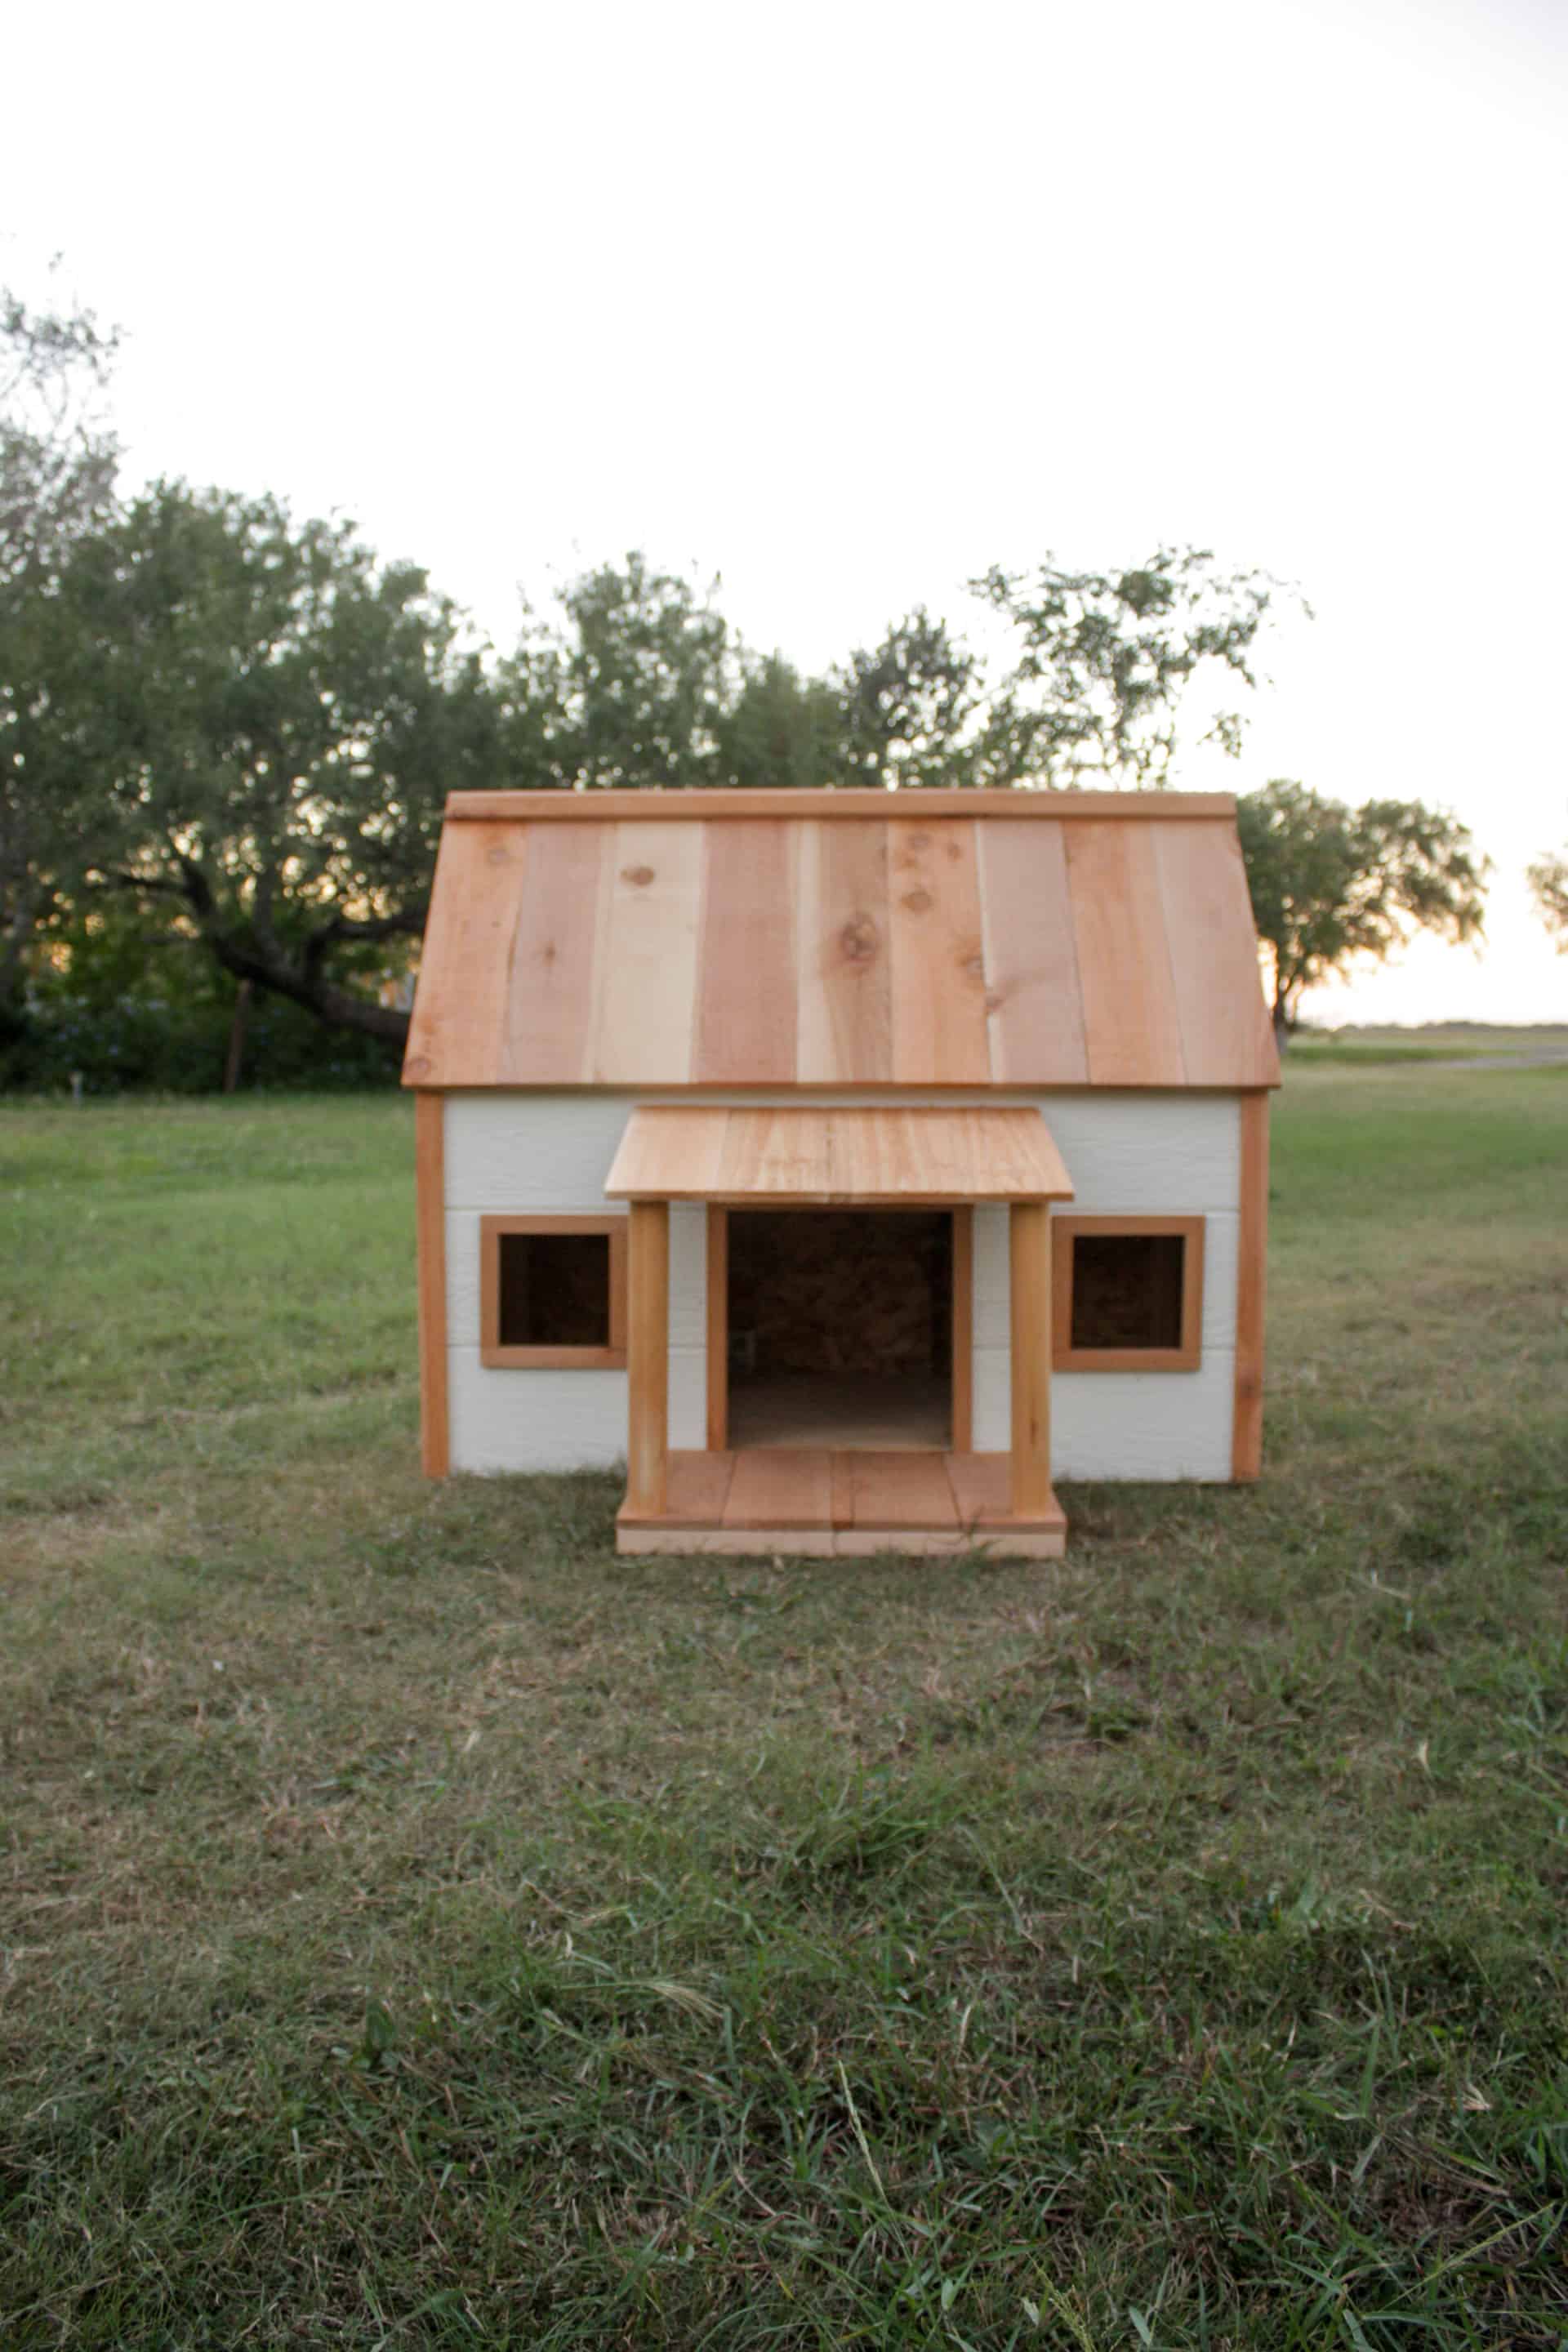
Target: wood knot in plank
{"type": "Point", "coordinates": [917, 901]}
{"type": "Point", "coordinates": [417, 1066]}
{"type": "Point", "coordinates": [857, 940]}
{"type": "Point", "coordinates": [497, 855]}
{"type": "Point", "coordinates": [639, 876]}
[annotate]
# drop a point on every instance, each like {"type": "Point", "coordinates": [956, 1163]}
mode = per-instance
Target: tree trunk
{"type": "Point", "coordinates": [237, 1030]}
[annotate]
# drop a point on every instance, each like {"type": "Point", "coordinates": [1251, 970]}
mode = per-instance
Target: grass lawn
{"type": "Point", "coordinates": [419, 1928]}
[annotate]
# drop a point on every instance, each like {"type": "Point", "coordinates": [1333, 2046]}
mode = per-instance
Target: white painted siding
{"type": "Point", "coordinates": [1160, 1154]}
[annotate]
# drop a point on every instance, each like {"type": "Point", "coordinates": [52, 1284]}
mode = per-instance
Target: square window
{"type": "Point", "coordinates": [1129, 1293]}
{"type": "Point", "coordinates": [553, 1292]}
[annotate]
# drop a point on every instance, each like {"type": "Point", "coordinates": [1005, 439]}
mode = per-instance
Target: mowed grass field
{"type": "Point", "coordinates": [419, 1928]}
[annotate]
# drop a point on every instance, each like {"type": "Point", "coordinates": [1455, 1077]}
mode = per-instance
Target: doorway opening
{"type": "Point", "coordinates": [841, 1327]}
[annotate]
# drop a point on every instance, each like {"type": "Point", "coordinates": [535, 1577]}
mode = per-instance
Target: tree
{"type": "Point", "coordinates": [1332, 885]}
{"type": "Point", "coordinates": [780, 729]}
{"type": "Point", "coordinates": [57, 461]}
{"type": "Point", "coordinates": [909, 706]}
{"type": "Point", "coordinates": [271, 721]}
{"type": "Point", "coordinates": [631, 691]}
{"type": "Point", "coordinates": [1548, 887]}
{"type": "Point", "coordinates": [1105, 661]}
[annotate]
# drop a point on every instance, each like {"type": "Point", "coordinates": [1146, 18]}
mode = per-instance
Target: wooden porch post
{"type": "Point", "coordinates": [647, 1358]}
{"type": "Point", "coordinates": [1029, 1256]}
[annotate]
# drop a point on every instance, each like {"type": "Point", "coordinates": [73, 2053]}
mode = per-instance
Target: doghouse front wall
{"type": "Point", "coordinates": [1128, 1154]}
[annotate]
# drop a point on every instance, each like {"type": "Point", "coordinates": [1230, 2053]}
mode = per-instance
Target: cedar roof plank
{"type": "Point", "coordinates": [1033, 999]}
{"type": "Point", "coordinates": [746, 969]}
{"type": "Point", "coordinates": [554, 954]}
{"type": "Point", "coordinates": [843, 980]}
{"type": "Point", "coordinates": [648, 988]}
{"type": "Point", "coordinates": [1226, 1039]}
{"type": "Point", "coordinates": [454, 1035]}
{"type": "Point", "coordinates": [938, 959]}
{"type": "Point", "coordinates": [1131, 1031]}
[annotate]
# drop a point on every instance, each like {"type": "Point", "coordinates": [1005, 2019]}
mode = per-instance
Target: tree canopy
{"type": "Point", "coordinates": [273, 720]}
{"type": "Point", "coordinates": [1332, 886]}
{"type": "Point", "coordinates": [57, 463]}
{"type": "Point", "coordinates": [1548, 876]}
{"type": "Point", "coordinates": [251, 723]}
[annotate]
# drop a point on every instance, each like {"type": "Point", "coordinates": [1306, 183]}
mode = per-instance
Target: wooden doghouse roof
{"type": "Point", "coordinates": [846, 939]}
{"type": "Point", "coordinates": [891, 1159]}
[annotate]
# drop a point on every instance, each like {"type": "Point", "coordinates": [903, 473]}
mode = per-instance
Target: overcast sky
{"type": "Point", "coordinates": [844, 303]}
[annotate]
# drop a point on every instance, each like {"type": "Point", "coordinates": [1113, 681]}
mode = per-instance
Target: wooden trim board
{"type": "Point", "coordinates": [608, 805]}
{"type": "Point", "coordinates": [647, 1358]}
{"type": "Point", "coordinates": [1184, 1358]}
{"type": "Point", "coordinates": [718, 1365]}
{"type": "Point", "coordinates": [1252, 1246]}
{"type": "Point", "coordinates": [430, 1223]}
{"type": "Point", "coordinates": [1030, 1271]}
{"type": "Point", "coordinates": [962, 1330]}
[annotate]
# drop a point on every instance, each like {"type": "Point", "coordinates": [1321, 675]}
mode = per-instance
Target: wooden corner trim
{"type": "Point", "coordinates": [1186, 1358]}
{"type": "Point", "coordinates": [1252, 1251]}
{"type": "Point", "coordinates": [431, 1236]}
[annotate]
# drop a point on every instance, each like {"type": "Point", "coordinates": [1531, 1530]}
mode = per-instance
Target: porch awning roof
{"type": "Point", "coordinates": [873, 1157]}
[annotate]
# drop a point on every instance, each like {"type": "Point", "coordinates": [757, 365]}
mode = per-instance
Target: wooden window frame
{"type": "Point", "coordinates": [1187, 1357]}
{"type": "Point", "coordinates": [496, 1357]}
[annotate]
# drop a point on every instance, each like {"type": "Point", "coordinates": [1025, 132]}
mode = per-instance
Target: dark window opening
{"type": "Point", "coordinates": [553, 1290]}
{"type": "Point", "coordinates": [1127, 1290]}
{"type": "Point", "coordinates": [840, 1327]}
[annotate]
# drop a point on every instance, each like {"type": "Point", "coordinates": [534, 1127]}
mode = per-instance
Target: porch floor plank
{"type": "Point", "coordinates": [808, 1499]}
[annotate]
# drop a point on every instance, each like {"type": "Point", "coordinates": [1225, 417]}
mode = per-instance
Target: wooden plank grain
{"type": "Point", "coordinates": [962, 1330]}
{"type": "Point", "coordinates": [1034, 1000]}
{"type": "Point", "coordinates": [746, 969]}
{"type": "Point", "coordinates": [1226, 1036]}
{"type": "Point", "coordinates": [1029, 1244]}
{"type": "Point", "coordinates": [430, 1224]}
{"type": "Point", "coordinates": [1131, 1035]}
{"type": "Point", "coordinates": [718, 1328]}
{"type": "Point", "coordinates": [939, 1034]}
{"type": "Point", "coordinates": [844, 976]}
{"type": "Point", "coordinates": [1246, 1433]}
{"type": "Point", "coordinates": [781, 1487]}
{"type": "Point", "coordinates": [461, 997]}
{"type": "Point", "coordinates": [555, 947]}
{"type": "Point", "coordinates": [645, 1009]}
{"type": "Point", "coordinates": [846, 805]}
{"type": "Point", "coordinates": [648, 1359]}
{"type": "Point", "coordinates": [894, 1490]}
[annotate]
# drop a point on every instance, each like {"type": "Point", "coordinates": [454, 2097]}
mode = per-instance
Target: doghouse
{"type": "Point", "coordinates": [847, 1162]}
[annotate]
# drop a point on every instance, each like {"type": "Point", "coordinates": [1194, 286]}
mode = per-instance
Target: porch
{"type": "Point", "coordinates": [843, 1503]}
{"type": "Point", "coordinates": [844, 1496]}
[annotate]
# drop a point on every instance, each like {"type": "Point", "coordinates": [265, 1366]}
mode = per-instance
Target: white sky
{"type": "Point", "coordinates": [845, 302]}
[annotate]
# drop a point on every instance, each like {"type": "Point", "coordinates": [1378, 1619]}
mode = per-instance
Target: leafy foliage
{"type": "Point", "coordinates": [1106, 659]}
{"type": "Point", "coordinates": [1331, 883]}
{"type": "Point", "coordinates": [57, 461]}
{"type": "Point", "coordinates": [1548, 883]}
{"type": "Point", "coordinates": [272, 721]}
{"type": "Point", "coordinates": [253, 721]}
